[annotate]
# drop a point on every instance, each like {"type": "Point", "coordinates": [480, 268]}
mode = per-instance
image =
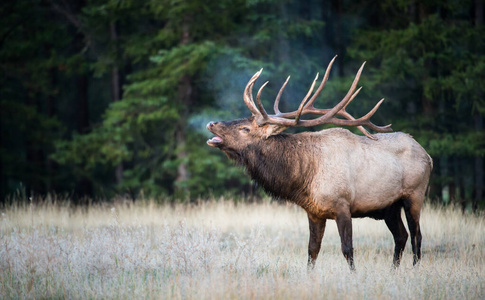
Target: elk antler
{"type": "Point", "coordinates": [290, 119]}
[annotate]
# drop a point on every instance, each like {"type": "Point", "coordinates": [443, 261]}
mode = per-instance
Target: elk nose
{"type": "Point", "coordinates": [211, 124]}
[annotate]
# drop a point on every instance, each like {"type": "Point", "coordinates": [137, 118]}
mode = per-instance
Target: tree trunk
{"type": "Point", "coordinates": [338, 36]}
{"type": "Point", "coordinates": [479, 176]}
{"type": "Point", "coordinates": [412, 11]}
{"type": "Point", "coordinates": [283, 46]}
{"type": "Point", "coordinates": [185, 99]}
{"type": "Point", "coordinates": [70, 11]}
{"type": "Point", "coordinates": [3, 179]}
{"type": "Point", "coordinates": [52, 165]}
{"type": "Point", "coordinates": [478, 12]}
{"type": "Point", "coordinates": [453, 183]}
{"type": "Point", "coordinates": [478, 197]}
{"type": "Point", "coordinates": [185, 92]}
{"type": "Point", "coordinates": [325, 16]}
{"type": "Point", "coordinates": [82, 104]}
{"type": "Point", "coordinates": [116, 87]}
{"type": "Point", "coordinates": [84, 187]}
{"type": "Point", "coordinates": [444, 174]}
{"type": "Point", "coordinates": [33, 184]}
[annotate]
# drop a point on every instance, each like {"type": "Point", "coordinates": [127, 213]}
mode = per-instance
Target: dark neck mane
{"type": "Point", "coordinates": [281, 166]}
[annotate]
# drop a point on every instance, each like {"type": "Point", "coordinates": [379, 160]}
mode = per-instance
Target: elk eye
{"type": "Point", "coordinates": [245, 129]}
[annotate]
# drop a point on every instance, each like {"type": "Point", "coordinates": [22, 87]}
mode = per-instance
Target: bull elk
{"type": "Point", "coordinates": [332, 173]}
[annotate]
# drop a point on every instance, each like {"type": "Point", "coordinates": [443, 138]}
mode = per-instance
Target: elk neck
{"type": "Point", "coordinates": [282, 165]}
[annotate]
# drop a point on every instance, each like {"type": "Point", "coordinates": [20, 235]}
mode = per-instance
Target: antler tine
{"type": "Point", "coordinates": [345, 100]}
{"type": "Point", "coordinates": [277, 100]}
{"type": "Point", "coordinates": [360, 127]}
{"type": "Point", "coordinates": [303, 102]}
{"type": "Point", "coordinates": [368, 123]}
{"type": "Point", "coordinates": [248, 94]}
{"type": "Point", "coordinates": [372, 111]}
{"type": "Point", "coordinates": [259, 104]}
{"type": "Point", "coordinates": [365, 120]}
{"type": "Point", "coordinates": [322, 84]}
{"type": "Point", "coordinates": [350, 117]}
{"type": "Point", "coordinates": [351, 121]}
{"type": "Point", "coordinates": [352, 98]}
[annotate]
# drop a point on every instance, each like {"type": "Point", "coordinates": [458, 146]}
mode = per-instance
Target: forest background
{"type": "Point", "coordinates": [108, 97]}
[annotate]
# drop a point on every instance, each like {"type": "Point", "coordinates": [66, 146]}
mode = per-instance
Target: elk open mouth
{"type": "Point", "coordinates": [215, 141]}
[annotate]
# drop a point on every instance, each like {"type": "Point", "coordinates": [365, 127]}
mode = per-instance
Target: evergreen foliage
{"type": "Point", "coordinates": [105, 97]}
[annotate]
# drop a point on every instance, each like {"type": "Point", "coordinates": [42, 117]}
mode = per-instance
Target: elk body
{"type": "Point", "coordinates": [333, 173]}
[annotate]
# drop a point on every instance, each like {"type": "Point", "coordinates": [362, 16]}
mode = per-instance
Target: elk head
{"type": "Point", "coordinates": [236, 135]}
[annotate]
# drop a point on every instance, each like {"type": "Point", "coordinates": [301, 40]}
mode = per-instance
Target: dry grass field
{"type": "Point", "coordinates": [222, 250]}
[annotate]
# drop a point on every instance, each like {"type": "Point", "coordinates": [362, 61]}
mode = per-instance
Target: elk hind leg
{"type": "Point", "coordinates": [394, 223]}
{"type": "Point", "coordinates": [344, 225]}
{"type": "Point", "coordinates": [317, 228]}
{"type": "Point", "coordinates": [412, 211]}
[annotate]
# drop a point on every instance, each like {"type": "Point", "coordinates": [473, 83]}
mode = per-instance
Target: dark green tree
{"type": "Point", "coordinates": [153, 130]}
{"type": "Point", "coordinates": [105, 97]}
{"type": "Point", "coordinates": [31, 71]}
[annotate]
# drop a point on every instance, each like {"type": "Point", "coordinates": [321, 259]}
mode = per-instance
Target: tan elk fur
{"type": "Point", "coordinates": [363, 174]}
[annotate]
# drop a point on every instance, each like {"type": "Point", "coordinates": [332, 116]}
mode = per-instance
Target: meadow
{"type": "Point", "coordinates": [221, 249]}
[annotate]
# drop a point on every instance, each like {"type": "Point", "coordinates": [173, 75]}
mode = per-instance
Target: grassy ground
{"type": "Point", "coordinates": [219, 250]}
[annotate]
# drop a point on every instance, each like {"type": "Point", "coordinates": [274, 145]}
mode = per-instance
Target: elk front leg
{"type": "Point", "coordinates": [344, 225]}
{"type": "Point", "coordinates": [317, 228]}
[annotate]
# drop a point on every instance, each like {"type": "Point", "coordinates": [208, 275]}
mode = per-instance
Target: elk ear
{"type": "Point", "coordinates": [269, 130]}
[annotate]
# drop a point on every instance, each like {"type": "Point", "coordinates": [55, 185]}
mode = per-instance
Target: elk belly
{"type": "Point", "coordinates": [381, 186]}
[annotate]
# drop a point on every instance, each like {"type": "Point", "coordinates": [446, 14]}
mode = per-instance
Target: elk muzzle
{"type": "Point", "coordinates": [215, 141]}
